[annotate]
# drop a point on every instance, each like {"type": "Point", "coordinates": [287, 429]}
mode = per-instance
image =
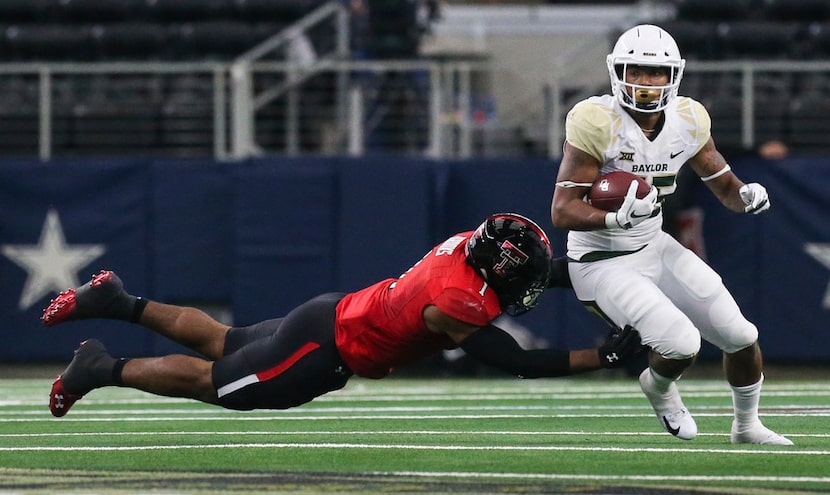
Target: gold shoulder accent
{"type": "Point", "coordinates": [590, 126]}
{"type": "Point", "coordinates": [695, 114]}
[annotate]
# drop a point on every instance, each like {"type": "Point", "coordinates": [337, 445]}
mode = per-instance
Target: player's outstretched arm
{"type": "Point", "coordinates": [559, 276]}
{"type": "Point", "coordinates": [496, 347]}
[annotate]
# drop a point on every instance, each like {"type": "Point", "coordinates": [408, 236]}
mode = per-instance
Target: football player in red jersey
{"type": "Point", "coordinates": [448, 299]}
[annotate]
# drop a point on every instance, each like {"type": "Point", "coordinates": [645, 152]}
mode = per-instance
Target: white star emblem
{"type": "Point", "coordinates": [52, 265]}
{"type": "Point", "coordinates": [821, 252]}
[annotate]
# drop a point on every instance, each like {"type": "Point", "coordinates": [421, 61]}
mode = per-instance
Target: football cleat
{"type": "Point", "coordinates": [90, 368]}
{"type": "Point", "coordinates": [673, 415]}
{"type": "Point", "coordinates": [757, 433]}
{"type": "Point", "coordinates": [59, 401]}
{"type": "Point", "coordinates": [101, 297]}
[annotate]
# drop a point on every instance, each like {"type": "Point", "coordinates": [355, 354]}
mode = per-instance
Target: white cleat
{"type": "Point", "coordinates": [759, 434]}
{"type": "Point", "coordinates": [679, 423]}
{"type": "Point", "coordinates": [673, 415]}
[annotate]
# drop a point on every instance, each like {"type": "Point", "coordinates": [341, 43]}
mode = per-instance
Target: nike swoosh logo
{"type": "Point", "coordinates": [673, 155]}
{"type": "Point", "coordinates": [673, 431]}
{"type": "Point", "coordinates": [634, 215]}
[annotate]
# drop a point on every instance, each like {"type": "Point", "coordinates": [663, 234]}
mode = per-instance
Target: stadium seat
{"type": "Point", "coordinates": [106, 128]}
{"type": "Point", "coordinates": [130, 41]}
{"type": "Point", "coordinates": [24, 11]}
{"type": "Point", "coordinates": [713, 10]}
{"type": "Point", "coordinates": [91, 11]}
{"type": "Point", "coordinates": [269, 10]}
{"type": "Point", "coordinates": [809, 125]}
{"type": "Point", "coordinates": [757, 39]}
{"type": "Point", "coordinates": [189, 10]}
{"type": "Point", "coordinates": [817, 41]}
{"type": "Point", "coordinates": [796, 10]}
{"type": "Point", "coordinates": [187, 128]}
{"type": "Point", "coordinates": [725, 110]}
{"type": "Point", "coordinates": [18, 115]}
{"type": "Point", "coordinates": [261, 31]}
{"type": "Point", "coordinates": [695, 39]}
{"type": "Point", "coordinates": [697, 85]}
{"type": "Point", "coordinates": [771, 111]}
{"type": "Point", "coordinates": [216, 40]}
{"type": "Point", "coordinates": [19, 131]}
{"type": "Point", "coordinates": [39, 42]}
{"type": "Point", "coordinates": [724, 101]}
{"type": "Point", "coordinates": [817, 83]}
{"type": "Point", "coordinates": [187, 115]}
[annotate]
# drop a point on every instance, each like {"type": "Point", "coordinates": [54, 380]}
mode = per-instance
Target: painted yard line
{"type": "Point", "coordinates": [604, 477]}
{"type": "Point", "coordinates": [506, 385]}
{"type": "Point", "coordinates": [799, 409]}
{"type": "Point", "coordinates": [115, 417]}
{"type": "Point", "coordinates": [431, 385]}
{"type": "Point", "coordinates": [414, 447]}
{"type": "Point", "coordinates": [723, 394]}
{"type": "Point", "coordinates": [202, 433]}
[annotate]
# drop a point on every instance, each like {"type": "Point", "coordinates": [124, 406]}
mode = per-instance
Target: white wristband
{"type": "Point", "coordinates": [611, 220]}
{"type": "Point", "coordinates": [717, 174]}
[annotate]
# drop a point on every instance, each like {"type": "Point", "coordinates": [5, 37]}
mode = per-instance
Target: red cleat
{"type": "Point", "coordinates": [59, 401]}
{"type": "Point", "coordinates": [60, 309]}
{"type": "Point", "coordinates": [101, 297]}
{"type": "Point", "coordinates": [90, 368]}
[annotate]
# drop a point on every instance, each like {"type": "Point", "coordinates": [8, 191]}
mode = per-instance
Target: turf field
{"type": "Point", "coordinates": [584, 435]}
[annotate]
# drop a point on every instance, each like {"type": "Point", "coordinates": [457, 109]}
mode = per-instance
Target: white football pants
{"type": "Point", "coordinates": [672, 297]}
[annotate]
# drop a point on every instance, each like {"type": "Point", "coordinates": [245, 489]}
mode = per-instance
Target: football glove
{"type": "Point", "coordinates": [633, 210]}
{"type": "Point", "coordinates": [755, 198]}
{"type": "Point", "coordinates": [619, 347]}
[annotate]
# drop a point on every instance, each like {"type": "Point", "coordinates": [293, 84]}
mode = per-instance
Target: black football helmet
{"type": "Point", "coordinates": [514, 255]}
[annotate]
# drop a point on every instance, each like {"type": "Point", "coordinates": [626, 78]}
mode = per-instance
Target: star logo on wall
{"type": "Point", "coordinates": [821, 253]}
{"type": "Point", "coordinates": [52, 265]}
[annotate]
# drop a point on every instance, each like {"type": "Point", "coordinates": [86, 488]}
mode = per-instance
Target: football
{"type": "Point", "coordinates": [608, 191]}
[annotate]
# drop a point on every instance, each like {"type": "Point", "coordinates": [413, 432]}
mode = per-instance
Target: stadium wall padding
{"type": "Point", "coordinates": [262, 235]}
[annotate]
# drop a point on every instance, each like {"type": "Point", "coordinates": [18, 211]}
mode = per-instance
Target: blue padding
{"type": "Point", "coordinates": [284, 230]}
{"type": "Point", "coordinates": [791, 283]}
{"type": "Point", "coordinates": [192, 231]}
{"type": "Point", "coordinates": [263, 236]}
{"type": "Point", "coordinates": [384, 215]}
{"type": "Point", "coordinates": [99, 203]}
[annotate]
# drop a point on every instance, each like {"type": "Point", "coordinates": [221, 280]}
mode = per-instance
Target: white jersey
{"type": "Point", "coordinates": [600, 127]}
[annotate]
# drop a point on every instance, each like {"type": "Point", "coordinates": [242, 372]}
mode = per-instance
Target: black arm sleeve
{"type": "Point", "coordinates": [494, 346]}
{"type": "Point", "coordinates": [559, 276]}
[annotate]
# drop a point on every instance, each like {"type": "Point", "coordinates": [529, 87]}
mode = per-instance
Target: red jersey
{"type": "Point", "coordinates": [383, 326]}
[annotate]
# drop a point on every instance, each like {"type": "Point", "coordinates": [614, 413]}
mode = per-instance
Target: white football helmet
{"type": "Point", "coordinates": [651, 46]}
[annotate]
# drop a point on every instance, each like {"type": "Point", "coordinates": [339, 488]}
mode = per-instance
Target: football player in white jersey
{"type": "Point", "coordinates": [623, 265]}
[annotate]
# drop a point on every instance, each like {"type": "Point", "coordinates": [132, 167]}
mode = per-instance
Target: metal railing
{"type": "Point", "coordinates": [332, 106]}
{"type": "Point", "coordinates": [256, 102]}
{"type": "Point", "coordinates": [432, 100]}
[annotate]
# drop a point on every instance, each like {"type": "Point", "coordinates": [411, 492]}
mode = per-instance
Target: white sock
{"type": "Point", "coordinates": [745, 402]}
{"type": "Point", "coordinates": [661, 382]}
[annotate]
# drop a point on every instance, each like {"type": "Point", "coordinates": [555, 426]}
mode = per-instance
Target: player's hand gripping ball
{"type": "Point", "coordinates": [608, 191]}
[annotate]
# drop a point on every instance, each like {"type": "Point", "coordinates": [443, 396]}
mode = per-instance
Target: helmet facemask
{"type": "Point", "coordinates": [645, 46]}
{"type": "Point", "coordinates": [526, 301]}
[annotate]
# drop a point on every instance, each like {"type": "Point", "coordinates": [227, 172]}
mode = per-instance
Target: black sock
{"type": "Point", "coordinates": [138, 308]}
{"type": "Point", "coordinates": [117, 369]}
{"type": "Point", "coordinates": [120, 307]}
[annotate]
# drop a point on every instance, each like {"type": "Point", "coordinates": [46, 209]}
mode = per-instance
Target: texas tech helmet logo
{"type": "Point", "coordinates": [511, 257]}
